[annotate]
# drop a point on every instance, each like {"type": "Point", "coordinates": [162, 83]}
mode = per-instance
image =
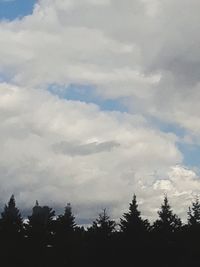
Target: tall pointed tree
{"type": "Point", "coordinates": [103, 225]}
{"type": "Point", "coordinates": [40, 225]}
{"type": "Point", "coordinates": [192, 233]}
{"type": "Point", "coordinates": [66, 222]}
{"type": "Point", "coordinates": [168, 221]}
{"type": "Point", "coordinates": [132, 221]}
{"type": "Point", "coordinates": [11, 220]}
{"type": "Point", "coordinates": [66, 239]}
{"type": "Point", "coordinates": [100, 238]}
{"type": "Point", "coordinates": [194, 213]}
{"type": "Point", "coordinates": [134, 234]}
{"type": "Point", "coordinates": [65, 231]}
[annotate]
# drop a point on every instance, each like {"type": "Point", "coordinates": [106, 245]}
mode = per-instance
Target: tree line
{"type": "Point", "coordinates": [45, 239]}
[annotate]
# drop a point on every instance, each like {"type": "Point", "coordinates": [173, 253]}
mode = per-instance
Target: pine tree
{"type": "Point", "coordinates": [132, 221]}
{"type": "Point", "coordinates": [168, 221]}
{"type": "Point", "coordinates": [66, 239]}
{"type": "Point", "coordinates": [40, 224]}
{"type": "Point", "coordinates": [192, 232]}
{"type": "Point", "coordinates": [100, 238]}
{"type": "Point", "coordinates": [103, 226]}
{"type": "Point", "coordinates": [41, 216]}
{"type": "Point", "coordinates": [194, 213]}
{"type": "Point", "coordinates": [11, 220]}
{"type": "Point", "coordinates": [134, 235]}
{"type": "Point", "coordinates": [66, 231]}
{"type": "Point", "coordinates": [66, 222]}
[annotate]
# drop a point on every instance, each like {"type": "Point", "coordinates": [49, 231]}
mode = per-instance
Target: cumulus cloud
{"type": "Point", "coordinates": [58, 150]}
{"type": "Point", "coordinates": [181, 185]}
{"type": "Point", "coordinates": [144, 52]}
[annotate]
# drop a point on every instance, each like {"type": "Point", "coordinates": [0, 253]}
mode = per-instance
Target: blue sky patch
{"type": "Point", "coordinates": [191, 154]}
{"type": "Point", "coordinates": [86, 93]}
{"type": "Point", "coordinates": [12, 9]}
{"type": "Point", "coordinates": [167, 127]}
{"type": "Point", "coordinates": [4, 77]}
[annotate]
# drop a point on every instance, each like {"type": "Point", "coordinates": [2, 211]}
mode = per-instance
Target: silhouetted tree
{"type": "Point", "coordinates": [168, 221]}
{"type": "Point", "coordinates": [40, 224]}
{"type": "Point", "coordinates": [50, 241]}
{"type": "Point", "coordinates": [11, 232]}
{"type": "Point", "coordinates": [66, 222]}
{"type": "Point", "coordinates": [66, 238]}
{"type": "Point", "coordinates": [103, 226]}
{"type": "Point", "coordinates": [192, 233]}
{"type": "Point", "coordinates": [134, 235]}
{"type": "Point", "coordinates": [100, 239]}
{"type": "Point", "coordinates": [132, 221]}
{"type": "Point", "coordinates": [166, 230]}
{"type": "Point", "coordinates": [11, 220]}
{"type": "Point", "coordinates": [194, 213]}
{"type": "Point", "coordinates": [65, 228]}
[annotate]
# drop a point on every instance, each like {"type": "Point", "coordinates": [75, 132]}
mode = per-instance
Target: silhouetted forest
{"type": "Point", "coordinates": [45, 239]}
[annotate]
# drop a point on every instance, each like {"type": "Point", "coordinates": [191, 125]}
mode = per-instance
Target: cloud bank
{"type": "Point", "coordinates": [142, 52]}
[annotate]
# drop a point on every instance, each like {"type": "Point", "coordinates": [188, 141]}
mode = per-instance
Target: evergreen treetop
{"type": "Point", "coordinates": [11, 219]}
{"type": "Point", "coordinates": [168, 221]}
{"type": "Point", "coordinates": [11, 213]}
{"type": "Point", "coordinates": [41, 215]}
{"type": "Point", "coordinates": [66, 222]}
{"type": "Point", "coordinates": [132, 220]}
{"type": "Point", "coordinates": [103, 225]}
{"type": "Point", "coordinates": [194, 213]}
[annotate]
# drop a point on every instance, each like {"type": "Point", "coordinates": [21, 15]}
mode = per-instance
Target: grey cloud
{"type": "Point", "coordinates": [146, 51]}
{"type": "Point", "coordinates": [32, 169]}
{"type": "Point", "coordinates": [73, 149]}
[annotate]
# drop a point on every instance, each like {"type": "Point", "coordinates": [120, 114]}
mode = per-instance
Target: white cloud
{"type": "Point", "coordinates": [144, 51]}
{"type": "Point", "coordinates": [181, 185]}
{"type": "Point", "coordinates": [57, 151]}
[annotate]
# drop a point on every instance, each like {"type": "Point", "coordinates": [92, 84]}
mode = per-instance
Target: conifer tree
{"type": "Point", "coordinates": [40, 225]}
{"type": "Point", "coordinates": [66, 230]}
{"type": "Point", "coordinates": [66, 222]}
{"type": "Point", "coordinates": [132, 221]}
{"type": "Point", "coordinates": [194, 213]}
{"type": "Point", "coordinates": [11, 220]}
{"type": "Point", "coordinates": [41, 216]}
{"type": "Point", "coordinates": [168, 221]}
{"type": "Point", "coordinates": [134, 234]}
{"type": "Point", "coordinates": [192, 233]}
{"type": "Point", "coordinates": [66, 239]}
{"type": "Point", "coordinates": [103, 225]}
{"type": "Point", "coordinates": [100, 238]}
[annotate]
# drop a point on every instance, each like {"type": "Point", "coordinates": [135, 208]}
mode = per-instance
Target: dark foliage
{"type": "Point", "coordinates": [11, 234]}
{"type": "Point", "coordinates": [11, 220]}
{"type": "Point", "coordinates": [132, 222]}
{"type": "Point", "coordinates": [49, 240]}
{"type": "Point", "coordinates": [194, 214]}
{"type": "Point", "coordinates": [168, 222]}
{"type": "Point", "coordinates": [40, 225]}
{"type": "Point", "coordinates": [103, 226]}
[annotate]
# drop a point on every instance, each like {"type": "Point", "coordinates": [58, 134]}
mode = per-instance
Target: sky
{"type": "Point", "coordinates": [99, 99]}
